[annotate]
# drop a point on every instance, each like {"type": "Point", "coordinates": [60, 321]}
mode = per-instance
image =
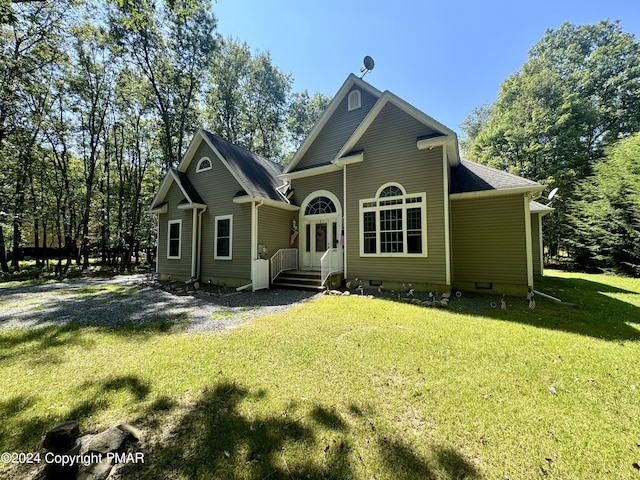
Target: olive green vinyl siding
{"type": "Point", "coordinates": [274, 228]}
{"type": "Point", "coordinates": [337, 131]}
{"type": "Point", "coordinates": [178, 269]}
{"type": "Point", "coordinates": [217, 188]}
{"type": "Point", "coordinates": [488, 242]}
{"type": "Point", "coordinates": [536, 244]}
{"type": "Point", "coordinates": [391, 155]}
{"type": "Point", "coordinates": [304, 187]}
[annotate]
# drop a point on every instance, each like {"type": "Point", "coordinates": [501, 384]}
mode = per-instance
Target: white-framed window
{"type": "Point", "coordinates": [203, 164]}
{"type": "Point", "coordinates": [174, 239]}
{"type": "Point", "coordinates": [393, 223]}
{"type": "Point", "coordinates": [354, 100]}
{"type": "Point", "coordinates": [223, 244]}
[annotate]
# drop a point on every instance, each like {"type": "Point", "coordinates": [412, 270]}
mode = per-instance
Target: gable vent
{"type": "Point", "coordinates": [354, 100]}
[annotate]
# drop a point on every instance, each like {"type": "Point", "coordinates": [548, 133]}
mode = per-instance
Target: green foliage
{"type": "Point", "coordinates": [554, 119]}
{"type": "Point", "coordinates": [606, 220]}
{"type": "Point", "coordinates": [247, 102]}
{"type": "Point", "coordinates": [346, 387]}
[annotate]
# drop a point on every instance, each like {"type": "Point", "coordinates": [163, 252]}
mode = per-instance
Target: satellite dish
{"type": "Point", "coordinates": [368, 65]}
{"type": "Point", "coordinates": [552, 193]}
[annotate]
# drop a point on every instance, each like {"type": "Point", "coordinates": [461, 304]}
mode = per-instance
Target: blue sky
{"type": "Point", "coordinates": [444, 57]}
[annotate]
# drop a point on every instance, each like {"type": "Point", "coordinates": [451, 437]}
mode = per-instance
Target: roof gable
{"type": "Point", "coordinates": [440, 134]}
{"type": "Point", "coordinates": [257, 177]}
{"type": "Point", "coordinates": [336, 102]}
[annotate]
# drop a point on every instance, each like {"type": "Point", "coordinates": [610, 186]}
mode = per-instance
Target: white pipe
{"type": "Point", "coordinates": [254, 237]}
{"type": "Point", "coordinates": [244, 287]}
{"type": "Point", "coordinates": [547, 296]}
{"type": "Point", "coordinates": [199, 259]}
{"type": "Point", "coordinates": [194, 242]}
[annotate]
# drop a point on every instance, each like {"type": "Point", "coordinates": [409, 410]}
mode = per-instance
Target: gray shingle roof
{"type": "Point", "coordinates": [259, 175]}
{"type": "Point", "coordinates": [474, 177]}
{"type": "Point", "coordinates": [192, 194]}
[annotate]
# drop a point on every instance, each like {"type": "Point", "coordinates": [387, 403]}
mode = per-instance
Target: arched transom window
{"type": "Point", "coordinates": [320, 206]}
{"type": "Point", "coordinates": [203, 164]}
{"type": "Point", "coordinates": [394, 223]}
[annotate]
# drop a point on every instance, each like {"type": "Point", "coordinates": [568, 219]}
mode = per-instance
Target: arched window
{"type": "Point", "coordinates": [354, 100]}
{"type": "Point", "coordinates": [203, 164]}
{"type": "Point", "coordinates": [393, 223]}
{"type": "Point", "coordinates": [319, 206]}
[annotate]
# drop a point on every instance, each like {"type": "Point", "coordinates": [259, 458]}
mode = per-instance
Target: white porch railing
{"type": "Point", "coordinates": [283, 260]}
{"type": "Point", "coordinates": [330, 262]}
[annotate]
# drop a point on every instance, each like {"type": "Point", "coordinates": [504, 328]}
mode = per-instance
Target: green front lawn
{"type": "Point", "coordinates": [348, 387]}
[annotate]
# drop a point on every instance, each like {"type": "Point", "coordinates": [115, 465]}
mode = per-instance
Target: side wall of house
{"type": "Point", "coordinates": [391, 155]}
{"type": "Point", "coordinates": [337, 131]}
{"type": "Point", "coordinates": [274, 228]}
{"type": "Point", "coordinates": [488, 244]}
{"type": "Point", "coordinates": [179, 269]}
{"type": "Point", "coordinates": [217, 188]}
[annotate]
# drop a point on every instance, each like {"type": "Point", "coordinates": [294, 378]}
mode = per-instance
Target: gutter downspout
{"type": "Point", "coordinates": [199, 259]}
{"type": "Point", "coordinates": [344, 222]}
{"type": "Point", "coordinates": [254, 237]}
{"type": "Point", "coordinates": [194, 243]}
{"type": "Point", "coordinates": [528, 239]}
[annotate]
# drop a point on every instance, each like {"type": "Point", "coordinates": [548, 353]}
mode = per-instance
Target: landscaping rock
{"type": "Point", "coordinates": [61, 438]}
{"type": "Point", "coordinates": [134, 434]}
{"type": "Point", "coordinates": [108, 441]}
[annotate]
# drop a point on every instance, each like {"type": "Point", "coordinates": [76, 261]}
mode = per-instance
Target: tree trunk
{"type": "Point", "coordinates": [3, 253]}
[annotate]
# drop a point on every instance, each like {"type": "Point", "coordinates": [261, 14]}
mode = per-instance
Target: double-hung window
{"type": "Point", "coordinates": [394, 223]}
{"type": "Point", "coordinates": [223, 237]}
{"type": "Point", "coordinates": [174, 239]}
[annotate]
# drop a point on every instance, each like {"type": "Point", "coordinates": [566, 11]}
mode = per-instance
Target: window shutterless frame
{"type": "Point", "coordinates": [223, 239]}
{"type": "Point", "coordinates": [394, 223]}
{"type": "Point", "coordinates": [174, 239]}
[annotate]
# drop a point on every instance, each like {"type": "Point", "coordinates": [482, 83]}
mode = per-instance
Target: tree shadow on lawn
{"type": "Point", "coordinates": [20, 431]}
{"type": "Point", "coordinates": [129, 305]}
{"type": "Point", "coordinates": [215, 439]}
{"type": "Point", "coordinates": [596, 312]}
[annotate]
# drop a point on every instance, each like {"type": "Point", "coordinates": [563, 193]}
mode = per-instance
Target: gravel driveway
{"type": "Point", "coordinates": [132, 301]}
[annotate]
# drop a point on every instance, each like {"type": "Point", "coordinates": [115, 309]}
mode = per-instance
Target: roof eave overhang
{"type": "Point", "coordinates": [532, 192]}
{"type": "Point", "coordinates": [266, 201]}
{"type": "Point", "coordinates": [190, 206]}
{"type": "Point", "coordinates": [164, 208]}
{"type": "Point", "coordinates": [310, 172]}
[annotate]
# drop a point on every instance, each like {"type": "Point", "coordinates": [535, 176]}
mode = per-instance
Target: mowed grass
{"type": "Point", "coordinates": [347, 387]}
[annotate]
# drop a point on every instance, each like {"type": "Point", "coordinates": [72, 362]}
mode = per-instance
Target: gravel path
{"type": "Point", "coordinates": [131, 301]}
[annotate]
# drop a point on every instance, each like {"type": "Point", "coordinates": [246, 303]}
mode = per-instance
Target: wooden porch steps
{"type": "Point", "coordinates": [299, 279]}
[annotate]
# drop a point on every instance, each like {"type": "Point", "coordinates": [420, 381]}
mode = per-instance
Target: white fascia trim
{"type": "Point", "coordinates": [310, 172]}
{"type": "Point", "coordinates": [162, 209]}
{"type": "Point", "coordinates": [349, 159]}
{"type": "Point", "coordinates": [429, 143]}
{"type": "Point", "coordinates": [224, 162]}
{"type": "Point", "coordinates": [498, 193]}
{"type": "Point", "coordinates": [162, 191]}
{"type": "Point", "coordinates": [333, 106]}
{"type": "Point", "coordinates": [266, 201]}
{"type": "Point", "coordinates": [183, 166]}
{"type": "Point", "coordinates": [189, 206]}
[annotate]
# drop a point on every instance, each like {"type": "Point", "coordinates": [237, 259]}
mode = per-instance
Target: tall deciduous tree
{"type": "Point", "coordinates": [172, 43]}
{"type": "Point", "coordinates": [248, 100]}
{"type": "Point", "coordinates": [553, 120]}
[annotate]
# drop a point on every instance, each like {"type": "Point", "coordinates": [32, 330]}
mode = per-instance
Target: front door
{"type": "Point", "coordinates": [320, 236]}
